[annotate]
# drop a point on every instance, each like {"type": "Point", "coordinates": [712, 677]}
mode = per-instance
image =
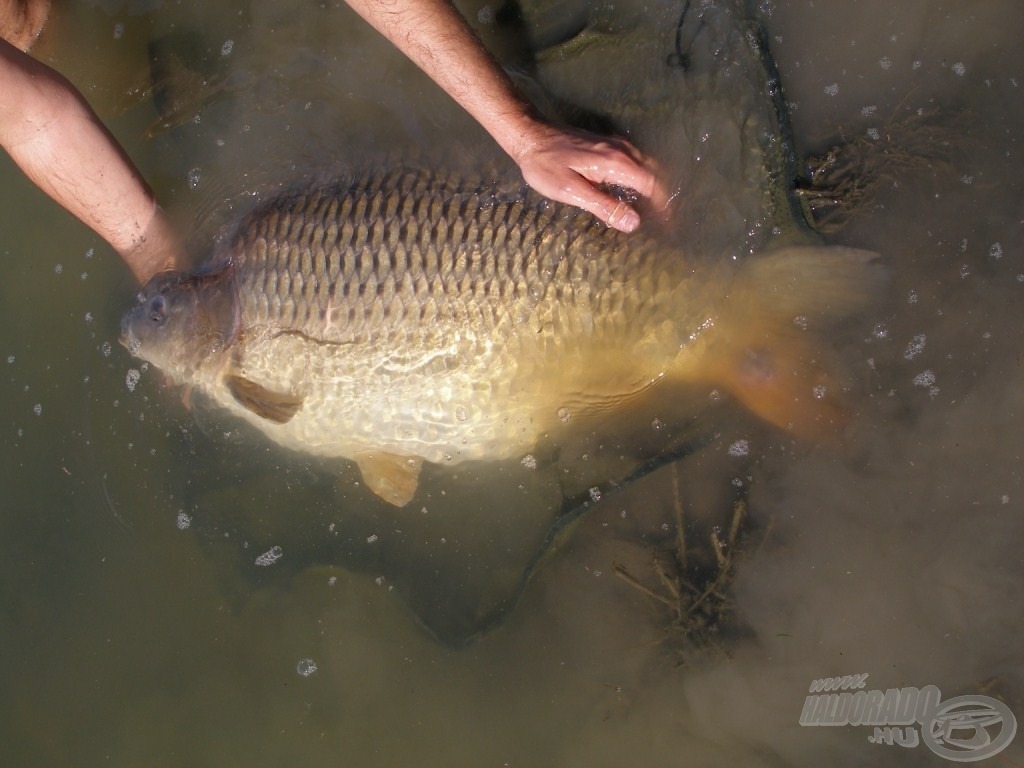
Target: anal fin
{"type": "Point", "coordinates": [393, 478]}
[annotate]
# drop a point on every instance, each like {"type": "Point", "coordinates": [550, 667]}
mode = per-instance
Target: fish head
{"type": "Point", "coordinates": [181, 321]}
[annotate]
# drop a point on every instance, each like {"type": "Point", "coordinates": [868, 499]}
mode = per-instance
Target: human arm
{"type": "Point", "coordinates": [53, 135]}
{"type": "Point", "coordinates": [565, 165]}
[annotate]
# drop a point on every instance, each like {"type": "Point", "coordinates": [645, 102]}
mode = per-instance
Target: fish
{"type": "Point", "coordinates": [409, 316]}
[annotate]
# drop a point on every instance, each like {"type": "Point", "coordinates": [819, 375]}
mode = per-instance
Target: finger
{"type": "Point", "coordinates": [615, 213]}
{"type": "Point", "coordinates": [623, 171]}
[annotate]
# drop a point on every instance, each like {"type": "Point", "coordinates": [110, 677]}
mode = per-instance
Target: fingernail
{"type": "Point", "coordinates": [629, 220]}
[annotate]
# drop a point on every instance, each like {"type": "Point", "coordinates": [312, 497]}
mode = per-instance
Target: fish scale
{"type": "Point", "coordinates": [426, 268]}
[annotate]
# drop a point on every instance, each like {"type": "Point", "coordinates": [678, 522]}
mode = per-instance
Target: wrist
{"type": "Point", "coordinates": [517, 132]}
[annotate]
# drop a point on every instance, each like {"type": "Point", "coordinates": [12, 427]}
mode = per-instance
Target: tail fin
{"type": "Point", "coordinates": [767, 347]}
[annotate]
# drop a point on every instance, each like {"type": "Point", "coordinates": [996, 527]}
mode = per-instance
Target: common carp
{"type": "Point", "coordinates": [408, 316]}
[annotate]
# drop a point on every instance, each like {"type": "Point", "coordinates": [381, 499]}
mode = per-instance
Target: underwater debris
{"type": "Point", "coordinates": [691, 578]}
{"type": "Point", "coordinates": [845, 180]}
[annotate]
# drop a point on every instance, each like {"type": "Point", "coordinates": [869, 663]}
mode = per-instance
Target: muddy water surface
{"type": "Point", "coordinates": [136, 628]}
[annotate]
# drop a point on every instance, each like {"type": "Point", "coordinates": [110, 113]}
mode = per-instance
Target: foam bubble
{"type": "Point", "coordinates": [915, 347]}
{"type": "Point", "coordinates": [739, 448]}
{"type": "Point", "coordinates": [270, 557]}
{"type": "Point", "coordinates": [925, 378]}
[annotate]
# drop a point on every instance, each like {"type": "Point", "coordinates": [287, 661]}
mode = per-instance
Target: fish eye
{"type": "Point", "coordinates": [158, 309]}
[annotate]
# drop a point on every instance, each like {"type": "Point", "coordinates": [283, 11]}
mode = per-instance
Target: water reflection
{"type": "Point", "coordinates": [126, 640]}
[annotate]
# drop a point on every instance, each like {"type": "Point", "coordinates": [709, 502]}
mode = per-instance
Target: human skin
{"type": "Point", "coordinates": [53, 135]}
{"type": "Point", "coordinates": [563, 164]}
{"type": "Point", "coordinates": [21, 21]}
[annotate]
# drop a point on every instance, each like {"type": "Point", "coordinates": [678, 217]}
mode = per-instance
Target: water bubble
{"type": "Point", "coordinates": [959, 69]}
{"type": "Point", "coordinates": [832, 90]}
{"type": "Point", "coordinates": [193, 178]}
{"type": "Point", "coordinates": [819, 391]}
{"type": "Point", "coordinates": [564, 414]}
{"type": "Point", "coordinates": [885, 62]}
{"type": "Point", "coordinates": [118, 30]}
{"type": "Point", "coordinates": [915, 65]}
{"type": "Point", "coordinates": [58, 268]}
{"type": "Point", "coordinates": [915, 347]}
{"type": "Point", "coordinates": [225, 50]}
{"type": "Point", "coordinates": [595, 494]}
{"type": "Point", "coordinates": [880, 331]}
{"type": "Point", "coordinates": [911, 296]}
{"type": "Point", "coordinates": [10, 359]}
{"type": "Point", "coordinates": [967, 179]}
{"type": "Point", "coordinates": [529, 461]}
{"type": "Point", "coordinates": [90, 253]}
{"type": "Point", "coordinates": [995, 251]}
{"type": "Point", "coordinates": [371, 538]}
{"type": "Point", "coordinates": [485, 15]}
{"type": "Point", "coordinates": [869, 110]}
{"type": "Point", "coordinates": [1006, 498]}
{"type": "Point", "coordinates": [965, 271]}
{"type": "Point", "coordinates": [925, 378]}
{"type": "Point", "coordinates": [37, 409]}
{"type": "Point", "coordinates": [183, 521]}
{"type": "Point", "coordinates": [332, 581]}
{"type": "Point", "coordinates": [873, 134]}
{"type": "Point", "coordinates": [131, 379]}
{"type": "Point", "coordinates": [460, 413]}
{"type": "Point", "coordinates": [270, 557]}
{"type": "Point", "coordinates": [800, 321]}
{"type": "Point", "coordinates": [714, 395]}
{"type": "Point", "coordinates": [657, 425]}
{"type": "Point", "coordinates": [88, 317]}
{"type": "Point", "coordinates": [739, 448]}
{"type": "Point", "coordinates": [306, 667]}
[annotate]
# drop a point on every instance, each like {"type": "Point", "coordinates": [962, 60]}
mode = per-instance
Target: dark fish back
{"type": "Point", "coordinates": [411, 251]}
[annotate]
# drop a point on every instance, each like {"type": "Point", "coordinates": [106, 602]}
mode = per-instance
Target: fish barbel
{"type": "Point", "coordinates": [408, 316]}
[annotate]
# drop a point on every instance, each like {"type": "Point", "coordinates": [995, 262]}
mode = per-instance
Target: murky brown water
{"type": "Point", "coordinates": [125, 640]}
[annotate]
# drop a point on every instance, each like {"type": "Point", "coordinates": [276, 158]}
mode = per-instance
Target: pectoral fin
{"type": "Point", "coordinates": [277, 407]}
{"type": "Point", "coordinates": [393, 478]}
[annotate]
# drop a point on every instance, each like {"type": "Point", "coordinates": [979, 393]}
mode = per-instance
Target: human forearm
{"type": "Point", "coordinates": [437, 39]}
{"type": "Point", "coordinates": [56, 139]}
{"type": "Point", "coordinates": [566, 165]}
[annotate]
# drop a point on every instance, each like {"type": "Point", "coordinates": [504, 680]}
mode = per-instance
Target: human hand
{"type": "Point", "coordinates": [567, 165]}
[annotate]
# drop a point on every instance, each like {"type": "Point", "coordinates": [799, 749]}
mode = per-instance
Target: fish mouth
{"type": "Point", "coordinates": [126, 338]}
